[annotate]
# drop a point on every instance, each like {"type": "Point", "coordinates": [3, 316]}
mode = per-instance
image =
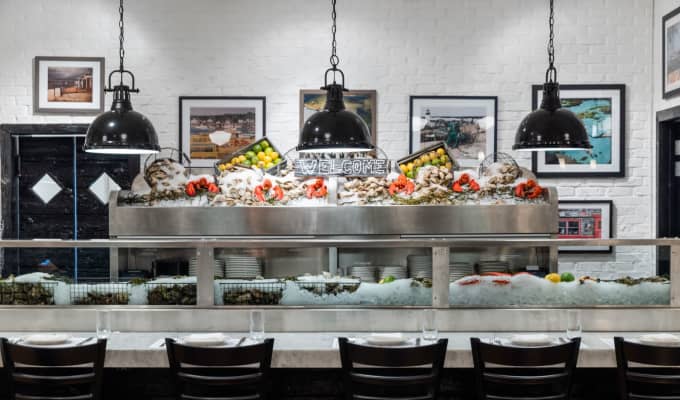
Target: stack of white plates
{"type": "Point", "coordinates": [242, 267]}
{"type": "Point", "coordinates": [219, 267]}
{"type": "Point", "coordinates": [493, 266]}
{"type": "Point", "coordinates": [363, 271]}
{"type": "Point", "coordinates": [397, 271]}
{"type": "Point", "coordinates": [419, 266]}
{"type": "Point", "coordinates": [459, 270]}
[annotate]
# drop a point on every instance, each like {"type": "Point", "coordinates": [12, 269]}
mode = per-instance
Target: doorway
{"type": "Point", "coordinates": [668, 182]}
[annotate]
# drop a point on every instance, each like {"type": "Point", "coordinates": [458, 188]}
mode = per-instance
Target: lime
{"type": "Point", "coordinates": [409, 174]}
{"type": "Point", "coordinates": [554, 278]}
{"type": "Point", "coordinates": [254, 160]}
{"type": "Point", "coordinates": [257, 148]}
{"type": "Point", "coordinates": [250, 154]}
{"type": "Point", "coordinates": [247, 163]}
{"type": "Point", "coordinates": [436, 162]}
{"type": "Point", "coordinates": [388, 279]}
{"type": "Point", "coordinates": [264, 144]}
{"type": "Point", "coordinates": [567, 277]}
{"type": "Point", "coordinates": [276, 161]}
{"type": "Point", "coordinates": [268, 151]}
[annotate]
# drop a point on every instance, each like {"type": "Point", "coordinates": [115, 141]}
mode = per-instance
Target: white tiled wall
{"type": "Point", "coordinates": [397, 47]}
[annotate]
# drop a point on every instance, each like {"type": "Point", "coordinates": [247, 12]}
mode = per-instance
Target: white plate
{"type": "Point", "coordinates": [660, 339]}
{"type": "Point", "coordinates": [539, 339]}
{"type": "Point", "coordinates": [47, 339]}
{"type": "Point", "coordinates": [204, 339]}
{"type": "Point", "coordinates": [385, 339]}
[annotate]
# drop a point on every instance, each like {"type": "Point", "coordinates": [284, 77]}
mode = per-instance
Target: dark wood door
{"type": "Point", "coordinates": [59, 191]}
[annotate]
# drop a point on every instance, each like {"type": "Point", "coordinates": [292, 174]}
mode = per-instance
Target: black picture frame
{"type": "Point", "coordinates": [609, 205]}
{"type": "Point", "coordinates": [97, 85]}
{"type": "Point", "coordinates": [620, 170]}
{"type": "Point", "coordinates": [205, 162]}
{"type": "Point", "coordinates": [491, 147]}
{"type": "Point", "coordinates": [667, 94]}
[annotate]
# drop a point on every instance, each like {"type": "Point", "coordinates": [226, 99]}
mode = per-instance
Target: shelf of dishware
{"type": "Point", "coordinates": [411, 272]}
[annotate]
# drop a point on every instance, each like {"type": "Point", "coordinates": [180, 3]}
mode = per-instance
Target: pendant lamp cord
{"type": "Point", "coordinates": [551, 73]}
{"type": "Point", "coordinates": [335, 60]}
{"type": "Point", "coordinates": [121, 51]}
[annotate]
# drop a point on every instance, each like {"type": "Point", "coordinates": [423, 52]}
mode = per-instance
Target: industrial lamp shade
{"type": "Point", "coordinates": [121, 130]}
{"type": "Point", "coordinates": [551, 127]}
{"type": "Point", "coordinates": [334, 129]}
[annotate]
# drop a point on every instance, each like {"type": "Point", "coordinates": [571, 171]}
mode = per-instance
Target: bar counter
{"type": "Point", "coordinates": [319, 350]}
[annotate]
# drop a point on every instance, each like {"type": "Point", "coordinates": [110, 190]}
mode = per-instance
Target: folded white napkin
{"type": "Point", "coordinates": [385, 338]}
{"type": "Point", "coordinates": [536, 339]}
{"type": "Point", "coordinates": [204, 339]}
{"type": "Point", "coordinates": [46, 339]}
{"type": "Point", "coordinates": [660, 338]}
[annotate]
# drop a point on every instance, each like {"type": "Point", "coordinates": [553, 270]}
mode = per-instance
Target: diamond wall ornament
{"type": "Point", "coordinates": [102, 188]}
{"type": "Point", "coordinates": [46, 188]}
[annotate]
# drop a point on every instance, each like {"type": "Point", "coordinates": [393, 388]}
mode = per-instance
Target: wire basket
{"type": "Point", "coordinates": [27, 293]}
{"type": "Point", "coordinates": [252, 293]}
{"type": "Point", "coordinates": [171, 294]}
{"type": "Point", "coordinates": [485, 167]}
{"type": "Point", "coordinates": [100, 294]}
{"type": "Point", "coordinates": [328, 288]}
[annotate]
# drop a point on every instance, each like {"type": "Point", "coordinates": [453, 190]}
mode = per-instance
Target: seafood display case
{"type": "Point", "coordinates": [422, 196]}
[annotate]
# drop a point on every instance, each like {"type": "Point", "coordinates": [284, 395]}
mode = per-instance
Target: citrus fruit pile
{"type": "Point", "coordinates": [262, 155]}
{"type": "Point", "coordinates": [436, 157]}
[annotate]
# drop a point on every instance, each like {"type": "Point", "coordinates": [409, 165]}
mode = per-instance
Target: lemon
{"type": "Point", "coordinates": [221, 167]}
{"type": "Point", "coordinates": [448, 165]}
{"type": "Point", "coordinates": [410, 166]}
{"type": "Point", "coordinates": [267, 159]}
{"type": "Point", "coordinates": [269, 165]}
{"type": "Point", "coordinates": [261, 164]}
{"type": "Point", "coordinates": [444, 159]}
{"type": "Point", "coordinates": [403, 168]}
{"type": "Point", "coordinates": [228, 166]}
{"type": "Point", "coordinates": [261, 156]}
{"type": "Point", "coordinates": [433, 155]}
{"type": "Point", "coordinates": [241, 158]}
{"type": "Point", "coordinates": [440, 151]}
{"type": "Point", "coordinates": [425, 159]}
{"type": "Point", "coordinates": [274, 155]}
{"type": "Point", "coordinates": [554, 278]}
{"type": "Point", "coordinates": [417, 163]}
{"type": "Point", "coordinates": [235, 160]}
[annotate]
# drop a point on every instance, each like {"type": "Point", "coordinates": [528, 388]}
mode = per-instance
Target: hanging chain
{"type": "Point", "coordinates": [551, 74]}
{"type": "Point", "coordinates": [335, 60]}
{"type": "Point", "coordinates": [121, 51]}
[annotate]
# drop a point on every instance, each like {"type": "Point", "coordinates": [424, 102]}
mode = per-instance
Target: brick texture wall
{"type": "Point", "coordinates": [397, 47]}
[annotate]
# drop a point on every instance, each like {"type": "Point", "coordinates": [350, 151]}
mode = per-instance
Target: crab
{"type": "Point", "coordinates": [402, 185]}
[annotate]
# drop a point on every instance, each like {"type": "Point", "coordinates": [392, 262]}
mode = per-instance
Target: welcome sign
{"type": "Point", "coordinates": [359, 167]}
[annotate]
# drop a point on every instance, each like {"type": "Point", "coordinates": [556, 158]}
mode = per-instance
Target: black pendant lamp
{"type": "Point", "coordinates": [551, 127]}
{"type": "Point", "coordinates": [121, 130]}
{"type": "Point", "coordinates": [334, 129]}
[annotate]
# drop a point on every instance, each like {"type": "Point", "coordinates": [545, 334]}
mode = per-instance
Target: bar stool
{"type": "Point", "coordinates": [220, 373]}
{"type": "Point", "coordinates": [407, 373]}
{"type": "Point", "coordinates": [638, 383]}
{"type": "Point", "coordinates": [524, 373]}
{"type": "Point", "coordinates": [65, 373]}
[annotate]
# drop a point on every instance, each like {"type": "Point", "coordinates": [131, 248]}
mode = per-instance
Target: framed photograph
{"type": "Point", "coordinates": [670, 50]}
{"type": "Point", "coordinates": [587, 219]}
{"type": "Point", "coordinates": [601, 108]}
{"type": "Point", "coordinates": [68, 85]}
{"type": "Point", "coordinates": [362, 102]}
{"type": "Point", "coordinates": [466, 123]}
{"type": "Point", "coordinates": [212, 128]}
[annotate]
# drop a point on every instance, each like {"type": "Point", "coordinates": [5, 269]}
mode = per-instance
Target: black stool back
{"type": "Point", "coordinates": [524, 373]}
{"type": "Point", "coordinates": [383, 372]}
{"type": "Point", "coordinates": [67, 373]}
{"type": "Point", "coordinates": [640, 383]}
{"type": "Point", "coordinates": [224, 373]}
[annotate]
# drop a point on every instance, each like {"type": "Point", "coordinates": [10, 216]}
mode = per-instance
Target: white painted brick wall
{"type": "Point", "coordinates": [398, 47]}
